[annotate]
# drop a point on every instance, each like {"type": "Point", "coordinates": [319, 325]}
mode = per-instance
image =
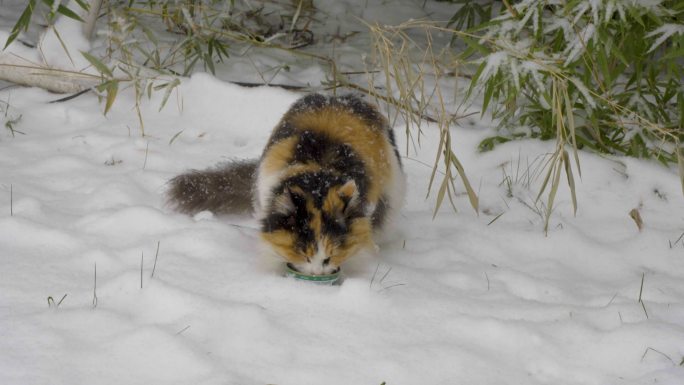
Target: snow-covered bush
{"type": "Point", "coordinates": [606, 73]}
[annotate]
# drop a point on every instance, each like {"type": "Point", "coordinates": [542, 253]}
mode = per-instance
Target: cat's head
{"type": "Point", "coordinates": [316, 231]}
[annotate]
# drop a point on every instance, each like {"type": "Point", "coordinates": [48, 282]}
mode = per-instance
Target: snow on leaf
{"type": "Point", "coordinates": [584, 91]}
{"type": "Point", "coordinates": [578, 45]}
{"type": "Point", "coordinates": [494, 62]}
{"type": "Point", "coordinates": [665, 31]}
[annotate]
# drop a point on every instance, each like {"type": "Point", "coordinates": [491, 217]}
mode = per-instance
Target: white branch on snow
{"type": "Point", "coordinates": [91, 18]}
{"type": "Point", "coordinates": [18, 70]}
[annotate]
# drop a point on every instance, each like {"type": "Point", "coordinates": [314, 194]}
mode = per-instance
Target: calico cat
{"type": "Point", "coordinates": [329, 178]}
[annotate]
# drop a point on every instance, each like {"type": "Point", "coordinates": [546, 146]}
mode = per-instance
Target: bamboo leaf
{"type": "Point", "coordinates": [22, 23]}
{"type": "Point", "coordinates": [552, 195]}
{"type": "Point", "coordinates": [473, 81]}
{"type": "Point", "coordinates": [169, 87]}
{"type": "Point", "coordinates": [436, 165]}
{"type": "Point", "coordinates": [569, 111]}
{"type": "Point", "coordinates": [674, 53]}
{"type": "Point", "coordinates": [473, 43]}
{"type": "Point", "coordinates": [173, 138]}
{"type": "Point", "coordinates": [547, 177]}
{"type": "Point", "coordinates": [489, 90]}
{"type": "Point", "coordinates": [636, 216]}
{"type": "Point", "coordinates": [61, 42]}
{"type": "Point", "coordinates": [83, 4]}
{"type": "Point", "coordinates": [69, 13]}
{"type": "Point", "coordinates": [112, 90]}
{"type": "Point", "coordinates": [101, 67]}
{"type": "Point", "coordinates": [680, 161]}
{"type": "Point", "coordinates": [571, 181]}
{"type": "Point", "coordinates": [440, 196]}
{"type": "Point", "coordinates": [472, 196]}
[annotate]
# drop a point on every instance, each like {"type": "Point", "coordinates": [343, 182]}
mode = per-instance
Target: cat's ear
{"type": "Point", "coordinates": [284, 203]}
{"type": "Point", "coordinates": [349, 194]}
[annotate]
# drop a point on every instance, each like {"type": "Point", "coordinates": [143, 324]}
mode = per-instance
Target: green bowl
{"type": "Point", "coordinates": [327, 279]}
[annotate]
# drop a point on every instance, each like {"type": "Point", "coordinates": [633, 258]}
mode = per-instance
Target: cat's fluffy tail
{"type": "Point", "coordinates": [224, 189]}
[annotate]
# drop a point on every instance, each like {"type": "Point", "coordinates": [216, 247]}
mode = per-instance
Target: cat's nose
{"type": "Point", "coordinates": [317, 270]}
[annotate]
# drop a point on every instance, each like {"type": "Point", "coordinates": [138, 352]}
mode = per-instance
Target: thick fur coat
{"type": "Point", "coordinates": [330, 177]}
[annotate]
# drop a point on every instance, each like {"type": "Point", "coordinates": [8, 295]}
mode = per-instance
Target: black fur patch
{"type": "Point", "coordinates": [339, 163]}
{"type": "Point", "coordinates": [296, 222]}
{"type": "Point", "coordinates": [316, 184]}
{"type": "Point", "coordinates": [311, 102]}
{"type": "Point", "coordinates": [331, 155]}
{"type": "Point", "coordinates": [393, 142]}
{"type": "Point", "coordinates": [380, 213]}
{"type": "Point", "coordinates": [225, 189]}
{"type": "Point", "coordinates": [283, 131]}
{"type": "Point", "coordinates": [335, 228]}
{"type": "Point", "coordinates": [359, 107]}
{"type": "Point", "coordinates": [367, 112]}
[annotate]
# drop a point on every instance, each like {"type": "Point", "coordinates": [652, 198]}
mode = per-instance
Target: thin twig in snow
{"type": "Point", "coordinates": [142, 258]}
{"type": "Point", "coordinates": [95, 288]}
{"type": "Point", "coordinates": [385, 275]}
{"type": "Point", "coordinates": [147, 148]}
{"type": "Point", "coordinates": [643, 306]}
{"type": "Point", "coordinates": [657, 351]}
{"type": "Point", "coordinates": [373, 278]}
{"type": "Point", "coordinates": [154, 267]}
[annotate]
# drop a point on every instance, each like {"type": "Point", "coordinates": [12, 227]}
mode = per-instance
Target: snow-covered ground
{"type": "Point", "coordinates": [461, 299]}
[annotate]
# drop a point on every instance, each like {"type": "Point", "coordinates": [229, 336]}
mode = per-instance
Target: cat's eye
{"type": "Point", "coordinates": [326, 261]}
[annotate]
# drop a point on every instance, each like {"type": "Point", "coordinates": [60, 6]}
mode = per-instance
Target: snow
{"type": "Point", "coordinates": [463, 298]}
{"type": "Point", "coordinates": [449, 298]}
{"type": "Point", "coordinates": [61, 44]}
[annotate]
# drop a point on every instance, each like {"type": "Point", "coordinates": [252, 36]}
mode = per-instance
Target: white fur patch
{"type": "Point", "coordinates": [264, 186]}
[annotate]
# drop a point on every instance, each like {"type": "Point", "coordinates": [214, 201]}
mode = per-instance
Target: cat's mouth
{"type": "Point", "coordinates": [294, 268]}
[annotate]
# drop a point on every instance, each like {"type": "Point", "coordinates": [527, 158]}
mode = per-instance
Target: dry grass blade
{"type": "Point", "coordinates": [571, 127]}
{"type": "Point", "coordinates": [680, 161]}
{"type": "Point", "coordinates": [440, 196]}
{"type": "Point", "coordinates": [442, 139]}
{"type": "Point", "coordinates": [571, 181]}
{"type": "Point", "coordinates": [552, 194]}
{"type": "Point", "coordinates": [413, 73]}
{"type": "Point", "coordinates": [560, 159]}
{"type": "Point", "coordinates": [64, 47]}
{"type": "Point", "coordinates": [496, 217]}
{"type": "Point", "coordinates": [474, 200]}
{"type": "Point", "coordinates": [296, 15]}
{"type": "Point", "coordinates": [112, 91]}
{"type": "Point", "coordinates": [550, 163]}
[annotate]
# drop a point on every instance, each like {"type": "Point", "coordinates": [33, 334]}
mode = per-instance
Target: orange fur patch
{"type": "Point", "coordinates": [359, 236]}
{"type": "Point", "coordinates": [348, 189]}
{"type": "Point", "coordinates": [283, 243]}
{"type": "Point", "coordinates": [278, 155]}
{"type": "Point", "coordinates": [301, 168]}
{"type": "Point", "coordinates": [332, 205]}
{"type": "Point", "coordinates": [369, 142]}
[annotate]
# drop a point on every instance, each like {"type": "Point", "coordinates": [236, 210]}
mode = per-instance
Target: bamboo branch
{"type": "Point", "coordinates": [17, 70]}
{"type": "Point", "coordinates": [91, 18]}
